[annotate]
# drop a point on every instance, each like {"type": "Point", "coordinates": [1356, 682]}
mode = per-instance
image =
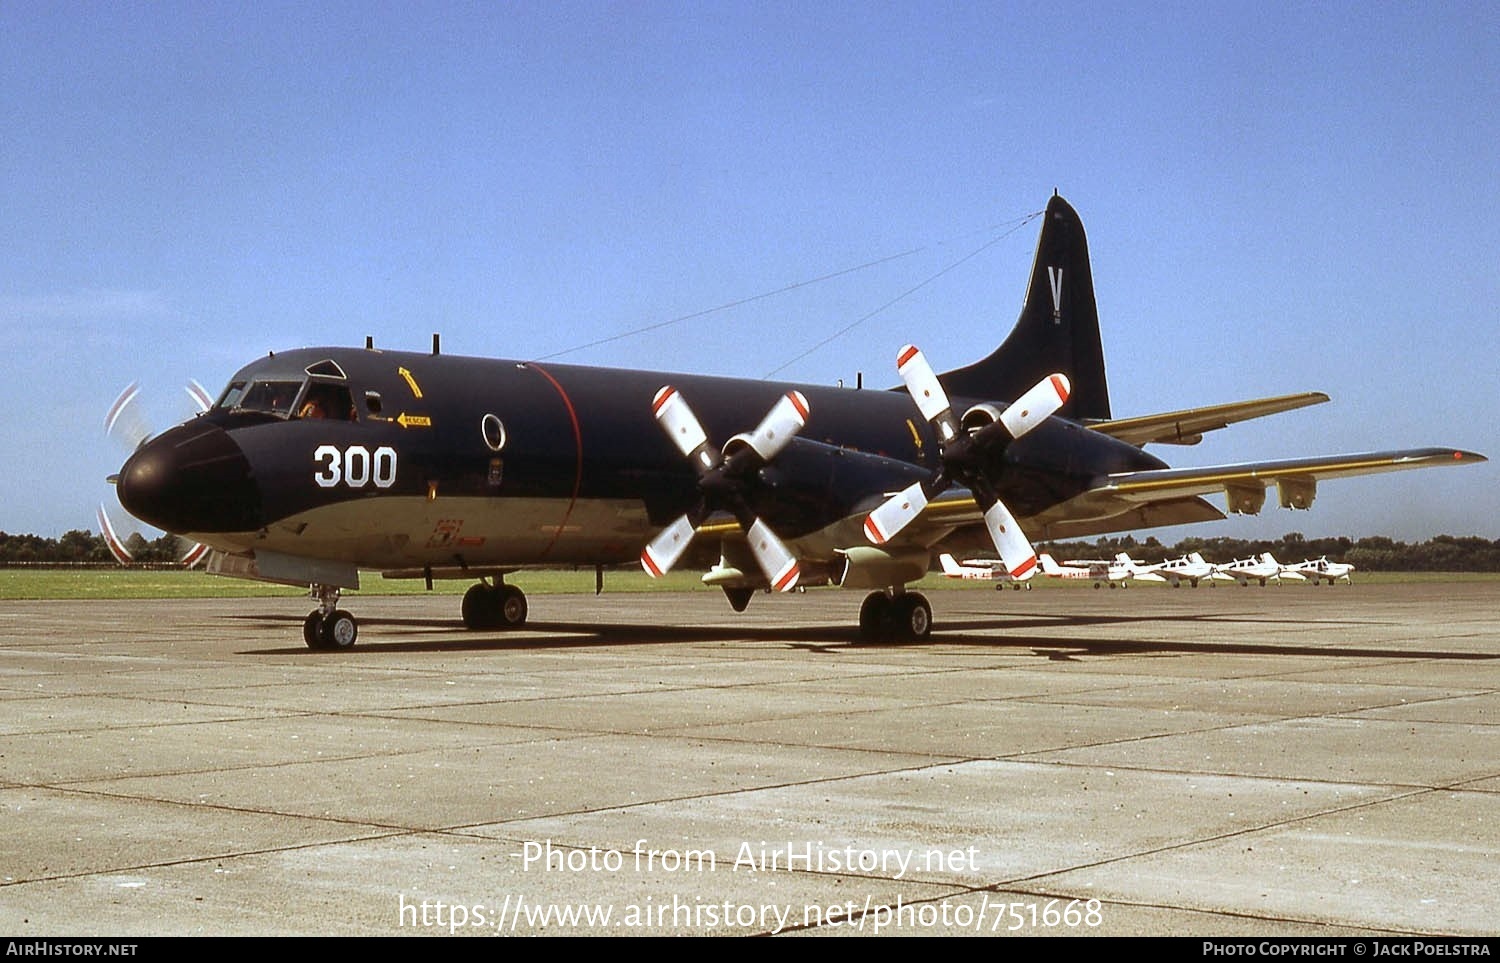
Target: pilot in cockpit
{"type": "Point", "coordinates": [327, 401]}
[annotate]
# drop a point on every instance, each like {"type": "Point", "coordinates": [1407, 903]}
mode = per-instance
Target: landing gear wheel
{"type": "Point", "coordinates": [511, 611]}
{"type": "Point", "coordinates": [332, 632]}
{"type": "Point", "coordinates": [476, 603]}
{"type": "Point", "coordinates": [875, 617]}
{"type": "Point", "coordinates": [913, 616]}
{"type": "Point", "coordinates": [339, 630]}
{"type": "Point", "coordinates": [494, 607]}
{"type": "Point", "coordinates": [905, 617]}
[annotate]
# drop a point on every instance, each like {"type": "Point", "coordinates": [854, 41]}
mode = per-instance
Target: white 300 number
{"type": "Point", "coordinates": [355, 466]}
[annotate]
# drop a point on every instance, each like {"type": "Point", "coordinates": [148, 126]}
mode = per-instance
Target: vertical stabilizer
{"type": "Point", "coordinates": [1058, 329]}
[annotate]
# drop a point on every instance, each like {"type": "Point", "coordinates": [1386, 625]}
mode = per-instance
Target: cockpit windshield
{"type": "Point", "coordinates": [313, 398]}
{"type": "Point", "coordinates": [271, 397]}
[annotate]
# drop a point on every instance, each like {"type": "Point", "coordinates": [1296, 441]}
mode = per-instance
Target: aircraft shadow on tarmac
{"type": "Point", "coordinates": [1001, 633]}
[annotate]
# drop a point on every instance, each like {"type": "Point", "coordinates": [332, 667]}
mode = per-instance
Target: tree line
{"type": "Point", "coordinates": [1376, 553]}
{"type": "Point", "coordinates": [80, 547]}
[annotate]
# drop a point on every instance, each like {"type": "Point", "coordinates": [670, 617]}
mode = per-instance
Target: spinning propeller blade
{"type": "Point", "coordinates": [127, 423]}
{"type": "Point", "coordinates": [116, 546]}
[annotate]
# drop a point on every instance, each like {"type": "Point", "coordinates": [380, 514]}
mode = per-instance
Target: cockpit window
{"type": "Point", "coordinates": [271, 397]}
{"type": "Point", "coordinates": [290, 399]}
{"type": "Point", "coordinates": [327, 368]}
{"type": "Point", "coordinates": [325, 400]}
{"type": "Point", "coordinates": [231, 395]}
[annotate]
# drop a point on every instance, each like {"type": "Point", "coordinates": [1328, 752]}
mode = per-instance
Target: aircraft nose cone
{"type": "Point", "coordinates": [192, 479]}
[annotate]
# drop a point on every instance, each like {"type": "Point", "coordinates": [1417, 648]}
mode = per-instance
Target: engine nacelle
{"type": "Point", "coordinates": [876, 568]}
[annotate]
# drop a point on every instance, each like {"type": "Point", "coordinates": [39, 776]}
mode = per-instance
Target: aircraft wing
{"type": "Point", "coordinates": [1186, 427]}
{"type": "Point", "coordinates": [1174, 496]}
{"type": "Point", "coordinates": [1296, 474]}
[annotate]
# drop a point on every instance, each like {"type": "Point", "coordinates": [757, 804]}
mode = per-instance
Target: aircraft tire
{"type": "Point", "coordinates": [474, 606]}
{"type": "Point", "coordinates": [338, 631]}
{"type": "Point", "coordinates": [510, 607]}
{"type": "Point", "coordinates": [310, 629]}
{"type": "Point", "coordinates": [494, 607]}
{"type": "Point", "coordinates": [914, 616]}
{"type": "Point", "coordinates": [875, 618]}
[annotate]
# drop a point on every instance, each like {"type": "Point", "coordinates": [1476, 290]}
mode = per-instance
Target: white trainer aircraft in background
{"type": "Point", "coordinates": [1321, 569]}
{"type": "Point", "coordinates": [1255, 569]}
{"type": "Point", "coordinates": [1189, 568]}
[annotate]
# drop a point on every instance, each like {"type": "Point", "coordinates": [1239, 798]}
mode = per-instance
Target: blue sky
{"type": "Point", "coordinates": [1278, 198]}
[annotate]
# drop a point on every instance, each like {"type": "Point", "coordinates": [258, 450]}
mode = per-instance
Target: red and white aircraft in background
{"type": "Point", "coordinates": [985, 570]}
{"type": "Point", "coordinates": [1116, 572]}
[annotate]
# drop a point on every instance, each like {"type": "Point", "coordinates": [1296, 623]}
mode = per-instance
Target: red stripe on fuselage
{"type": "Point", "coordinates": [578, 465]}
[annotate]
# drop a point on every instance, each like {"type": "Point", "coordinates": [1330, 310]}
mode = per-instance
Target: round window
{"type": "Point", "coordinates": [494, 432]}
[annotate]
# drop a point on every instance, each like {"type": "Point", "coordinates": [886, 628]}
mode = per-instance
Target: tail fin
{"type": "Point", "coordinates": [1049, 564]}
{"type": "Point", "coordinates": [950, 567]}
{"type": "Point", "coordinates": [1058, 329]}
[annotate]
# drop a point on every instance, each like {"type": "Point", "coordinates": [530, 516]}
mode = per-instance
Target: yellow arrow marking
{"type": "Point", "coordinates": [410, 381]}
{"type": "Point", "coordinates": [916, 436]}
{"type": "Point", "coordinates": [413, 421]}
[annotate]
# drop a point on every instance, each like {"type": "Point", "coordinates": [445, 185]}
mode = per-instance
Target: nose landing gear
{"type": "Point", "coordinates": [328, 627]}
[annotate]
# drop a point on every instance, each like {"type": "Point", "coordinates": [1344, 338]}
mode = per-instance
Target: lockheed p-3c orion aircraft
{"type": "Point", "coordinates": [316, 463]}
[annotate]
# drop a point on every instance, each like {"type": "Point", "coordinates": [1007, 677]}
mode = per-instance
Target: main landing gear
{"type": "Point", "coordinates": [494, 606]}
{"type": "Point", "coordinates": [904, 616]}
{"type": "Point", "coordinates": [328, 627]}
{"type": "Point", "coordinates": [485, 606]}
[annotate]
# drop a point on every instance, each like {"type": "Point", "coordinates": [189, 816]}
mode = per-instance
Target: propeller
{"type": "Point", "coordinates": [724, 479]}
{"type": "Point", "coordinates": [126, 423]}
{"type": "Point", "coordinates": [963, 454]}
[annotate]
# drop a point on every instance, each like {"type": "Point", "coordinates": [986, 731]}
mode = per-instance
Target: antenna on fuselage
{"type": "Point", "coordinates": [436, 343]}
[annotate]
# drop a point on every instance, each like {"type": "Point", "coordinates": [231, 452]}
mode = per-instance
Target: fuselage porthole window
{"type": "Point", "coordinates": [494, 432]}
